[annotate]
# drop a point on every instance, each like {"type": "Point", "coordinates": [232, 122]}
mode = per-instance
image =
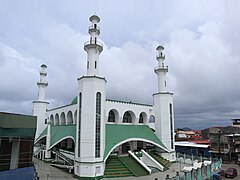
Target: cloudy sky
{"type": "Point", "coordinates": [201, 40]}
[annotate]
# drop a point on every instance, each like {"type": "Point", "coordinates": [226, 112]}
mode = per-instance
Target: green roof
{"type": "Point", "coordinates": [116, 134]}
{"type": "Point", "coordinates": [44, 133]}
{"type": "Point", "coordinates": [17, 125]}
{"type": "Point", "coordinates": [74, 101]}
{"type": "Point", "coordinates": [58, 133]}
{"type": "Point", "coordinates": [10, 120]}
{"type": "Point", "coordinates": [61, 132]}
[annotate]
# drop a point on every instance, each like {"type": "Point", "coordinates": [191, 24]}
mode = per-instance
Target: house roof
{"type": "Point", "coordinates": [191, 144]}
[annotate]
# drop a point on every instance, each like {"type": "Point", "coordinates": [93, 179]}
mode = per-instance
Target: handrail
{"type": "Point", "coordinates": [94, 27]}
{"type": "Point", "coordinates": [92, 42]}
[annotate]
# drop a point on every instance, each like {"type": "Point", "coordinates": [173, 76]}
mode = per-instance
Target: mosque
{"type": "Point", "coordinates": [92, 132]}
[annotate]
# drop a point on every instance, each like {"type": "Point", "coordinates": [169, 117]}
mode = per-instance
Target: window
{"type": "Point", "coordinates": [98, 125]}
{"type": "Point", "coordinates": [151, 119]}
{"type": "Point", "coordinates": [79, 122]}
{"type": "Point", "coordinates": [111, 116]}
{"type": "Point", "coordinates": [127, 118]}
{"type": "Point", "coordinates": [88, 65]}
{"type": "Point", "coordinates": [95, 26]}
{"type": "Point", "coordinates": [171, 125]}
{"type": "Point", "coordinates": [95, 64]}
{"type": "Point", "coordinates": [141, 118]}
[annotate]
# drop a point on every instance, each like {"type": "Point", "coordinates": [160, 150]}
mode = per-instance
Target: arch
{"type": "Point", "coordinates": [134, 139]}
{"type": "Point", "coordinates": [62, 119]}
{"type": "Point", "coordinates": [152, 119]}
{"type": "Point", "coordinates": [66, 137]}
{"type": "Point", "coordinates": [69, 117]}
{"type": "Point", "coordinates": [113, 115]}
{"type": "Point", "coordinates": [75, 117]}
{"type": "Point", "coordinates": [56, 119]}
{"type": "Point", "coordinates": [143, 118]}
{"type": "Point", "coordinates": [129, 117]}
{"type": "Point", "coordinates": [52, 119]}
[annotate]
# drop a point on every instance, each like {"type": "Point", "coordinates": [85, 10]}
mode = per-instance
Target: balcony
{"type": "Point", "coordinates": [93, 44]}
{"type": "Point", "coordinates": [94, 28]}
{"type": "Point", "coordinates": [161, 68]}
{"type": "Point", "coordinates": [160, 56]}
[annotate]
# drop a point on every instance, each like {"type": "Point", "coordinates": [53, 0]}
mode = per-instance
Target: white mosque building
{"type": "Point", "coordinates": [92, 131]}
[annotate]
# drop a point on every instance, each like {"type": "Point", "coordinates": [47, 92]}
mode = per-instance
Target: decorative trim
{"type": "Point", "coordinates": [96, 162]}
{"type": "Point", "coordinates": [97, 77]}
{"type": "Point", "coordinates": [128, 102]}
{"type": "Point", "coordinates": [169, 93]}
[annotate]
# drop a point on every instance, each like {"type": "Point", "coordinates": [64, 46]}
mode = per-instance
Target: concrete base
{"type": "Point", "coordinates": [89, 170]}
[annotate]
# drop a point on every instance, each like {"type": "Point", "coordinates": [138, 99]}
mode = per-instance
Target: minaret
{"type": "Point", "coordinates": [93, 47]}
{"type": "Point", "coordinates": [90, 129]}
{"type": "Point", "coordinates": [163, 107]}
{"type": "Point", "coordinates": [161, 70]}
{"type": "Point", "coordinates": [40, 106]}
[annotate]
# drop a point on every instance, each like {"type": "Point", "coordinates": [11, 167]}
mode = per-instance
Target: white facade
{"type": "Point", "coordinates": [90, 111]}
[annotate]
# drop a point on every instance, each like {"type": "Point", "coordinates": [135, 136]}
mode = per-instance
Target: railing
{"type": "Point", "coordinates": [93, 42]}
{"type": "Point", "coordinates": [94, 27]}
{"type": "Point", "coordinates": [161, 67]}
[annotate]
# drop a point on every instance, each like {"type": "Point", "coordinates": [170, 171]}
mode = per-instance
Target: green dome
{"type": "Point", "coordinates": [74, 101]}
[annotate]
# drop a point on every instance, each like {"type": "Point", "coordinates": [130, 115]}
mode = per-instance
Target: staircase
{"type": "Point", "coordinates": [69, 161]}
{"type": "Point", "coordinates": [164, 162]}
{"type": "Point", "coordinates": [133, 166]}
{"type": "Point", "coordinates": [115, 168]}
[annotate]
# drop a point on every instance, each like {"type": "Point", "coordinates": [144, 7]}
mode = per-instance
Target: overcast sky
{"type": "Point", "coordinates": [201, 40]}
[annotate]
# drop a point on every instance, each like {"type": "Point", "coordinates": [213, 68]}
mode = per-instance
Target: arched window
{"type": "Point", "coordinates": [141, 118]}
{"type": "Point", "coordinates": [69, 117]}
{"type": "Point", "coordinates": [75, 117]}
{"type": "Point", "coordinates": [79, 120]}
{"type": "Point", "coordinates": [127, 118]}
{"type": "Point", "coordinates": [171, 124]}
{"type": "Point", "coordinates": [151, 119]}
{"type": "Point", "coordinates": [56, 119]}
{"type": "Point", "coordinates": [111, 116]}
{"type": "Point", "coordinates": [52, 120]}
{"type": "Point", "coordinates": [62, 119]}
{"type": "Point", "coordinates": [98, 125]}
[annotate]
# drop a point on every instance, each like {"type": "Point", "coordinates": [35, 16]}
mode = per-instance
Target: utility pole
{"type": "Point", "coordinates": [219, 141]}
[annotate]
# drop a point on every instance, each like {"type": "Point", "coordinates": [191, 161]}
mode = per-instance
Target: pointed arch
{"type": "Point", "coordinates": [62, 119]}
{"type": "Point", "coordinates": [52, 119]}
{"type": "Point", "coordinates": [69, 117]}
{"type": "Point", "coordinates": [75, 117]}
{"type": "Point", "coordinates": [113, 115]}
{"type": "Point", "coordinates": [129, 117]}
{"type": "Point", "coordinates": [56, 119]}
{"type": "Point", "coordinates": [142, 118]}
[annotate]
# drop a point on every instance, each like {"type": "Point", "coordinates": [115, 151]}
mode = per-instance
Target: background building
{"type": "Point", "coordinates": [17, 133]}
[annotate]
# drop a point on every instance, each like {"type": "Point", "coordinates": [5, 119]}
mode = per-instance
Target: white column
{"type": "Point", "coordinates": [15, 153]}
{"type": "Point", "coordinates": [48, 139]}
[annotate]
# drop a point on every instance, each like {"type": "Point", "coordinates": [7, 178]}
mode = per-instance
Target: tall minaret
{"type": "Point", "coordinates": [163, 106]}
{"type": "Point", "coordinates": [93, 47]}
{"type": "Point", "coordinates": [90, 129]}
{"type": "Point", "coordinates": [40, 106]}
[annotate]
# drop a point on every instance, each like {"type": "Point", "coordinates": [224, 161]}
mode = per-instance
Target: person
{"type": "Point", "coordinates": [167, 177]}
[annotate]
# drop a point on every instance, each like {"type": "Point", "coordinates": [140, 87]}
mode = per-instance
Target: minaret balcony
{"type": "Point", "coordinates": [93, 44]}
{"type": "Point", "coordinates": [94, 28]}
{"type": "Point", "coordinates": [160, 56]}
{"type": "Point", "coordinates": [161, 68]}
{"type": "Point", "coordinates": [42, 83]}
